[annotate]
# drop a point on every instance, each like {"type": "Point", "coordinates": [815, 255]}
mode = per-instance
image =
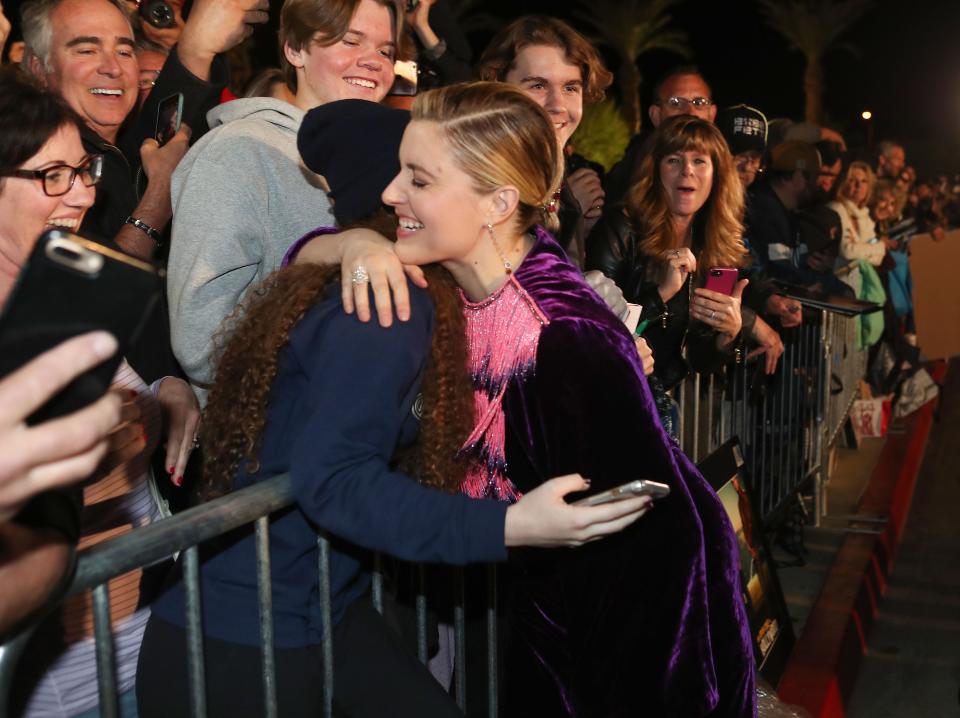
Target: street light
{"type": "Point", "coordinates": [867, 118]}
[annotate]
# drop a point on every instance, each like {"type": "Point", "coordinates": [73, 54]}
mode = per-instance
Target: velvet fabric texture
{"type": "Point", "coordinates": [649, 622]}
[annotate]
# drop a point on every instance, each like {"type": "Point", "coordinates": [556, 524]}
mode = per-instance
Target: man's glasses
{"type": "Point", "coordinates": [148, 78]}
{"type": "Point", "coordinates": [58, 179]}
{"type": "Point", "coordinates": [681, 103]}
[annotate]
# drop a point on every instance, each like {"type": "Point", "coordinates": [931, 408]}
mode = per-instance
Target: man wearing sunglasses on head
{"type": "Point", "coordinates": [682, 91]}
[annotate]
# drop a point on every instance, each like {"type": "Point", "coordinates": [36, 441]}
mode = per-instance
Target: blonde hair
{"type": "Point", "coordinates": [721, 216]}
{"type": "Point", "coordinates": [499, 136]}
{"type": "Point", "coordinates": [301, 21]}
{"type": "Point", "coordinates": [847, 181]}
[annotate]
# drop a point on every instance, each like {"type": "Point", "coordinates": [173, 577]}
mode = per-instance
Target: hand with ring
{"type": "Point", "coordinates": [675, 266]}
{"type": "Point", "coordinates": [719, 311]}
{"type": "Point", "coordinates": [381, 271]}
{"type": "Point", "coordinates": [369, 262]}
{"type": "Point", "coordinates": [359, 275]}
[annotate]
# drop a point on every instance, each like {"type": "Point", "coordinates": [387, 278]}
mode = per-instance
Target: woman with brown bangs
{"type": "Point", "coordinates": [682, 218]}
{"type": "Point", "coordinates": [302, 387]}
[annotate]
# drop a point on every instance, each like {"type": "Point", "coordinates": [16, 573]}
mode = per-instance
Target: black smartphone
{"type": "Point", "coordinates": [169, 116]}
{"type": "Point", "coordinates": [70, 286]}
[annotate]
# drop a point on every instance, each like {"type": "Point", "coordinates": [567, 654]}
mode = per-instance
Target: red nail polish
{"type": "Point", "coordinates": [170, 470]}
{"type": "Point", "coordinates": [133, 394]}
{"type": "Point", "coordinates": [178, 481]}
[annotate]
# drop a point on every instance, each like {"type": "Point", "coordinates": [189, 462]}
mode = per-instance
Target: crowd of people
{"type": "Point", "coordinates": [499, 376]}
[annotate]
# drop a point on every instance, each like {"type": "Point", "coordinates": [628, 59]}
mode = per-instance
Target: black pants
{"type": "Point", "coordinates": [375, 675]}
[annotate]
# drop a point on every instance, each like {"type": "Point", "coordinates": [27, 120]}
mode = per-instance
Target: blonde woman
{"type": "Point", "coordinates": [859, 239]}
{"type": "Point", "coordinates": [614, 628]}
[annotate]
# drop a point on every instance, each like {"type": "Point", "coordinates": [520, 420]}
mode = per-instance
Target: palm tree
{"type": "Point", "coordinates": [632, 28]}
{"type": "Point", "coordinates": [813, 27]}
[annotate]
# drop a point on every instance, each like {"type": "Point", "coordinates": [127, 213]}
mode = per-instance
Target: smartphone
{"type": "Point", "coordinates": [640, 487]}
{"type": "Point", "coordinates": [69, 286]}
{"type": "Point", "coordinates": [405, 80]}
{"type": "Point", "coordinates": [721, 280]}
{"type": "Point", "coordinates": [169, 116]}
{"type": "Point", "coordinates": [633, 317]}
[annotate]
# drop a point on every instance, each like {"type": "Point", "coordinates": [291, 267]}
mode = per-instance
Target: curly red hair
{"type": "Point", "coordinates": [258, 330]}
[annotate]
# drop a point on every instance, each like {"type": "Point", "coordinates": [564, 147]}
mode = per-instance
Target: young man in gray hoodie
{"type": "Point", "coordinates": [242, 195]}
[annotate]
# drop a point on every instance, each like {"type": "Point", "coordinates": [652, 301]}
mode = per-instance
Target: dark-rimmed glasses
{"type": "Point", "coordinates": [58, 179]}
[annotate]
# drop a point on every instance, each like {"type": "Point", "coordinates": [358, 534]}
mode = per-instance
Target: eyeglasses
{"type": "Point", "coordinates": [58, 179]}
{"type": "Point", "coordinates": [681, 103]}
{"type": "Point", "coordinates": [148, 78]}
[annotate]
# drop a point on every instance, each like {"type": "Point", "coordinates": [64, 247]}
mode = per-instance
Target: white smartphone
{"type": "Point", "coordinates": [633, 317]}
{"type": "Point", "coordinates": [640, 487]}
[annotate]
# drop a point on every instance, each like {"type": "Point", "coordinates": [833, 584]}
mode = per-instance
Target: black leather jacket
{"type": "Point", "coordinates": [612, 247]}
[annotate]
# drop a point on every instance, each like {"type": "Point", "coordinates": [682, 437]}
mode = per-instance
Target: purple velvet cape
{"type": "Point", "coordinates": [650, 622]}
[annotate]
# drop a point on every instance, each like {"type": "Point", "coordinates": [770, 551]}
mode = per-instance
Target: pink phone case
{"type": "Point", "coordinates": [721, 279]}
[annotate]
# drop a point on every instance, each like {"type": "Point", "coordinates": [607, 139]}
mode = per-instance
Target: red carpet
{"type": "Point", "coordinates": [824, 664]}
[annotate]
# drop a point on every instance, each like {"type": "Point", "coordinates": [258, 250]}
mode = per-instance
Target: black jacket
{"type": "Point", "coordinates": [117, 193]}
{"type": "Point", "coordinates": [612, 247]}
{"type": "Point", "coordinates": [454, 64]}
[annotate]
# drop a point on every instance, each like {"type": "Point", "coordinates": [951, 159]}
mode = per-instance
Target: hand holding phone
{"type": "Point", "coordinates": [56, 453]}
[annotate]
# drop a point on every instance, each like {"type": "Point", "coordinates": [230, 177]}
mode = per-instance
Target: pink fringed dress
{"type": "Point", "coordinates": [649, 622]}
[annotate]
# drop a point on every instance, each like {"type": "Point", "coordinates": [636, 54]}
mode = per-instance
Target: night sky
{"type": "Point", "coordinates": [907, 70]}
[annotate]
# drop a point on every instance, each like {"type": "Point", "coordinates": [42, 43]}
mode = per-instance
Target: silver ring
{"type": "Point", "coordinates": [676, 253]}
{"type": "Point", "coordinates": [196, 443]}
{"type": "Point", "coordinates": [359, 275]}
{"type": "Point", "coordinates": [713, 315]}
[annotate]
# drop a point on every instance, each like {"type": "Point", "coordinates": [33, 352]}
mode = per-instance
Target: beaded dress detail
{"type": "Point", "coordinates": [502, 335]}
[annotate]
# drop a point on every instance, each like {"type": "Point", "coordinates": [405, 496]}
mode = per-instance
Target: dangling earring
{"type": "Point", "coordinates": [508, 268]}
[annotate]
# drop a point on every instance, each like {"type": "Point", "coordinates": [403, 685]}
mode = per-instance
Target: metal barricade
{"type": "Point", "coordinates": [786, 427]}
{"type": "Point", "coordinates": [787, 422]}
{"type": "Point", "coordinates": [184, 533]}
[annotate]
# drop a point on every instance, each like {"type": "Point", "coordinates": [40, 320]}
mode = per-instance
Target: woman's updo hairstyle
{"type": "Point", "coordinates": [499, 136]}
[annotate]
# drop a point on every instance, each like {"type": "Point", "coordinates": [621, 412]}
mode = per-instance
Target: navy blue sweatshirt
{"type": "Point", "coordinates": [340, 407]}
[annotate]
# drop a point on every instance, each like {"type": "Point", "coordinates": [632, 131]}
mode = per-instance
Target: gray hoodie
{"type": "Point", "coordinates": [241, 197]}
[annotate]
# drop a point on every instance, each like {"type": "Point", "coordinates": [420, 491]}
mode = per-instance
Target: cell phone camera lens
{"type": "Point", "coordinates": [67, 253]}
{"type": "Point", "coordinates": [157, 13]}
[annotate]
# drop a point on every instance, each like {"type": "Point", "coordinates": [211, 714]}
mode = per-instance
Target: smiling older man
{"type": "Point", "coordinates": [84, 50]}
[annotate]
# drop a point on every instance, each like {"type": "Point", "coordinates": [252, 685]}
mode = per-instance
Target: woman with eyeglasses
{"type": "Point", "coordinates": [48, 180]}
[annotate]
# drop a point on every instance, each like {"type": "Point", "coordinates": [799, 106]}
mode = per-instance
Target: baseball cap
{"type": "Point", "coordinates": [794, 155]}
{"type": "Point", "coordinates": [744, 128]}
